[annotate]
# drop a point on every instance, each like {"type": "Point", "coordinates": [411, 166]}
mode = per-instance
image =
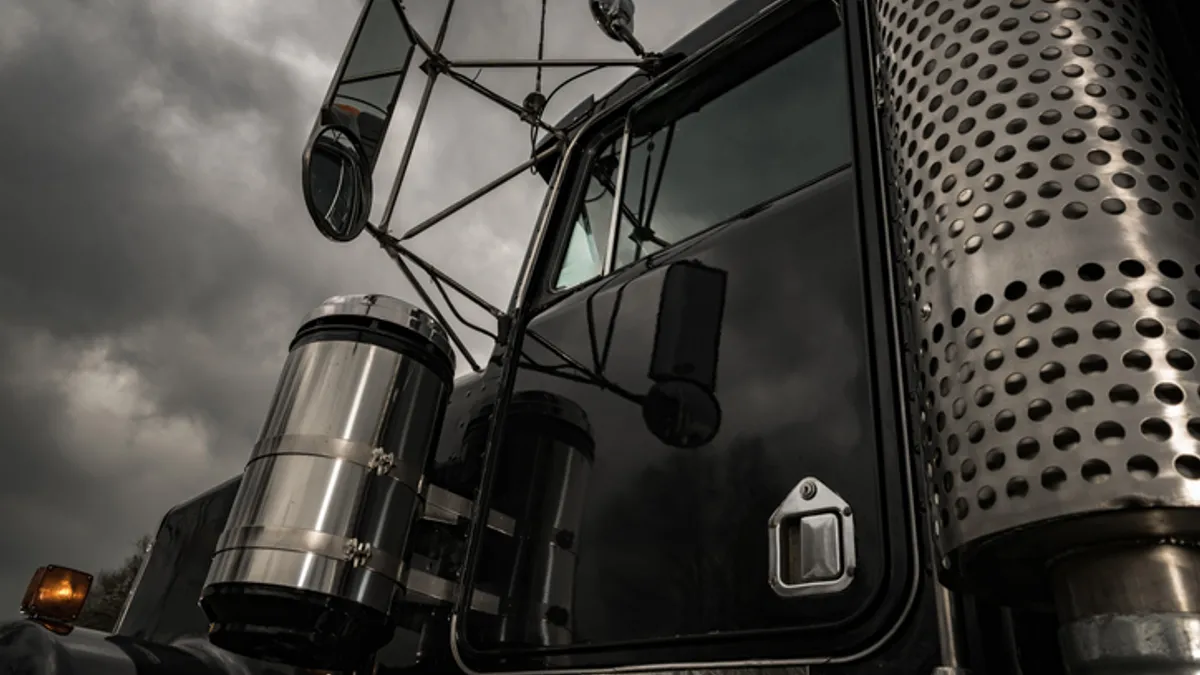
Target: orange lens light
{"type": "Point", "coordinates": [56, 594]}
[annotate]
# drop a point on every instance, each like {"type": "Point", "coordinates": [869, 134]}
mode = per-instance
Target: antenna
{"type": "Point", "coordinates": [357, 111]}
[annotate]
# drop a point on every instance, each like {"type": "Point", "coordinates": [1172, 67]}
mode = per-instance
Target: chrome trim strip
{"type": "Point", "coordinates": [614, 222]}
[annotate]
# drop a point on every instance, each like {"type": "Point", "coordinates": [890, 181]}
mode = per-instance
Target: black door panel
{"type": "Point", "coordinates": [673, 542]}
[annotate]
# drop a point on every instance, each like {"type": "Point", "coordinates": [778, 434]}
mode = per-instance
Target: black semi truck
{"type": "Point", "coordinates": [853, 337]}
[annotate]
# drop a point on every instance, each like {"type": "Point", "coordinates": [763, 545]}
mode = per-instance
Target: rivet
{"type": "Point", "coordinates": [808, 489]}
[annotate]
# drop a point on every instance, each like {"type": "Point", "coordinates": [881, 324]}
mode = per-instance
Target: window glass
{"type": "Point", "coordinates": [782, 128]}
{"type": "Point", "coordinates": [584, 258]}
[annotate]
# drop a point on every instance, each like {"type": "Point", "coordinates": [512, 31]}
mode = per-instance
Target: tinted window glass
{"type": "Point", "coordinates": [783, 128]}
{"type": "Point", "coordinates": [584, 258]}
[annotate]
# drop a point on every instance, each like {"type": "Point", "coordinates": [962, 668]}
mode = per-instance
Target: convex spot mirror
{"type": "Point", "coordinates": [337, 185]}
{"type": "Point", "coordinates": [615, 17]}
{"type": "Point", "coordinates": [681, 407]}
{"type": "Point", "coordinates": [353, 121]}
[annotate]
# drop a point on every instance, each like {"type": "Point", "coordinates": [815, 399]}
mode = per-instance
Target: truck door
{"type": "Point", "coordinates": [745, 164]}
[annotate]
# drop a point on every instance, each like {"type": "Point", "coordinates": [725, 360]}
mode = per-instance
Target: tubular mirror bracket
{"type": "Point", "coordinates": [431, 79]}
{"type": "Point", "coordinates": [437, 64]}
{"type": "Point", "coordinates": [811, 542]}
{"type": "Point", "coordinates": [390, 243]}
{"type": "Point", "coordinates": [395, 255]}
{"type": "Point", "coordinates": [471, 198]}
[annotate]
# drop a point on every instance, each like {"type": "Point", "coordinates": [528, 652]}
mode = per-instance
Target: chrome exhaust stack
{"type": "Point", "coordinates": [1045, 178]}
{"type": "Point", "coordinates": [311, 565]}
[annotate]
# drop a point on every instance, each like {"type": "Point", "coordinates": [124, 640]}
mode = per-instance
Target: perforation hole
{"type": "Point", "coordinates": [1156, 429]}
{"type": "Point", "coordinates": [1053, 478]}
{"type": "Point", "coordinates": [1067, 438]}
{"type": "Point", "coordinates": [1188, 466]}
{"type": "Point", "coordinates": [1169, 393]}
{"type": "Point", "coordinates": [1028, 448]}
{"type": "Point", "coordinates": [1142, 467]}
{"type": "Point", "coordinates": [1079, 400]}
{"type": "Point", "coordinates": [1150, 328]}
{"type": "Point", "coordinates": [1096, 471]}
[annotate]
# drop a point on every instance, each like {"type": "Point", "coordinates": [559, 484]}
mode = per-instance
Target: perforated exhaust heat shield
{"type": "Point", "coordinates": [1045, 178]}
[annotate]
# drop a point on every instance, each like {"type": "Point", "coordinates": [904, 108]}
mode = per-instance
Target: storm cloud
{"type": "Point", "coordinates": [157, 253]}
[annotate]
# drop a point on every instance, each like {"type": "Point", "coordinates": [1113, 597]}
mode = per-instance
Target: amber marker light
{"type": "Point", "coordinates": [55, 596]}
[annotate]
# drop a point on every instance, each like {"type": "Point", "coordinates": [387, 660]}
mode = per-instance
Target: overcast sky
{"type": "Point", "coordinates": [157, 253]}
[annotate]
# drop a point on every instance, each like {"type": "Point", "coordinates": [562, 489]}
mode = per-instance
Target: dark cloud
{"type": "Point", "coordinates": [130, 298]}
{"type": "Point", "coordinates": [157, 253]}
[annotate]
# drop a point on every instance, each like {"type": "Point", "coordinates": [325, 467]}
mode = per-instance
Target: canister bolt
{"type": "Point", "coordinates": [381, 462]}
{"type": "Point", "coordinates": [358, 553]}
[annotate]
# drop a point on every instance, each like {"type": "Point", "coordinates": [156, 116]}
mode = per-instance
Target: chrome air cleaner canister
{"type": "Point", "coordinates": [312, 557]}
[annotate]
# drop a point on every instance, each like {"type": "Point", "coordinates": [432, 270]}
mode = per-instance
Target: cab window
{"type": "Point", "coordinates": [588, 243]}
{"type": "Point", "coordinates": [700, 166]}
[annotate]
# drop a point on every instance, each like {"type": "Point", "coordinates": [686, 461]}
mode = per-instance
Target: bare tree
{"type": "Point", "coordinates": [110, 589]}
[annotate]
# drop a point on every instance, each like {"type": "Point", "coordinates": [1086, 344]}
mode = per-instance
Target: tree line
{"type": "Point", "coordinates": [110, 589]}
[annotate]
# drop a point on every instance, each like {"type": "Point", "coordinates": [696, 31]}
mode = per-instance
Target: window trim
{"type": "Point", "coordinates": [664, 94]}
{"type": "Point", "coordinates": [777, 25]}
{"type": "Point", "coordinates": [580, 179]}
{"type": "Point", "coordinates": [614, 218]}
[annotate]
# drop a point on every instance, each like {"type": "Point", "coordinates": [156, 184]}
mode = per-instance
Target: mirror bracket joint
{"type": "Point", "coordinates": [435, 64]}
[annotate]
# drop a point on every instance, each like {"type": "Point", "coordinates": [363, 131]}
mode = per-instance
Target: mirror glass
{"type": "Point", "coordinates": [353, 121]}
{"type": "Point", "coordinates": [370, 76]}
{"type": "Point", "coordinates": [337, 186]}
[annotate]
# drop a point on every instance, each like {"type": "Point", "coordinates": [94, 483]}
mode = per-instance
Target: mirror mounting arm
{"type": "Point", "coordinates": [392, 244]}
{"type": "Point", "coordinates": [422, 107]}
{"type": "Point", "coordinates": [437, 63]}
{"type": "Point", "coordinates": [430, 52]}
{"type": "Point", "coordinates": [433, 309]}
{"type": "Point", "coordinates": [503, 102]}
{"type": "Point", "coordinates": [486, 189]}
{"type": "Point", "coordinates": [547, 63]}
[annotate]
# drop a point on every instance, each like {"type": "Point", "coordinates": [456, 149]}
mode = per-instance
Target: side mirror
{"type": "Point", "coordinates": [681, 408]}
{"type": "Point", "coordinates": [353, 121]}
{"type": "Point", "coordinates": [337, 183]}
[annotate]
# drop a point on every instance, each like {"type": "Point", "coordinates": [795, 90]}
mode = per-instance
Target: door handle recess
{"type": "Point", "coordinates": [811, 542]}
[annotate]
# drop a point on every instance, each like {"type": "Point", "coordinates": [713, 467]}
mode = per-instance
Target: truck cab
{"type": "Point", "coordinates": [854, 336]}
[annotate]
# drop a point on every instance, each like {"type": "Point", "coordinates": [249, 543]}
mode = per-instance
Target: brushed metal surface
{"type": "Point", "coordinates": [1141, 644]}
{"type": "Point", "coordinates": [1045, 179]}
{"type": "Point", "coordinates": [333, 484]}
{"type": "Point", "coordinates": [348, 391]}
